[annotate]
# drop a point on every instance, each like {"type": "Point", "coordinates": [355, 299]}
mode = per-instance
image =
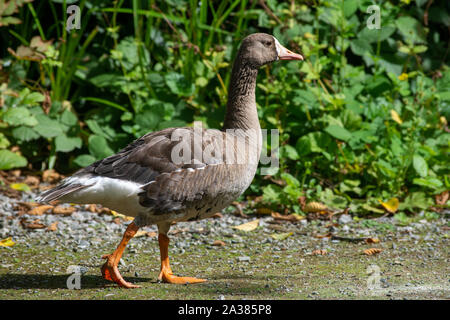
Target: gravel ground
{"type": "Point", "coordinates": [278, 268]}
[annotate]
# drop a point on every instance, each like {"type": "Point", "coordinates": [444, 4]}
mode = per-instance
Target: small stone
{"type": "Point", "coordinates": [244, 259]}
{"type": "Point", "coordinates": [345, 218]}
{"type": "Point", "coordinates": [221, 297]}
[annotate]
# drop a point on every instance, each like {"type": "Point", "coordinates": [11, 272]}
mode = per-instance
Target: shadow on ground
{"type": "Point", "coordinates": [40, 281]}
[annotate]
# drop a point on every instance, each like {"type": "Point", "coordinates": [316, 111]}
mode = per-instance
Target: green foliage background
{"type": "Point", "coordinates": [363, 119]}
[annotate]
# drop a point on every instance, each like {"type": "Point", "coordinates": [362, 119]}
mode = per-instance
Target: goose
{"type": "Point", "coordinates": [180, 174]}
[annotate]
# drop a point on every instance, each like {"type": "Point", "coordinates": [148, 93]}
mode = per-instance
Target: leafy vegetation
{"type": "Point", "coordinates": [362, 120]}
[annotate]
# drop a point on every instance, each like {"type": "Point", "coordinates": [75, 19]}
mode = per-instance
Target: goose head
{"type": "Point", "coordinates": [259, 49]}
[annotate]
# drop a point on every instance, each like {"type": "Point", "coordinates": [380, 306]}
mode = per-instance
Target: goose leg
{"type": "Point", "coordinates": [166, 274]}
{"type": "Point", "coordinates": [110, 269]}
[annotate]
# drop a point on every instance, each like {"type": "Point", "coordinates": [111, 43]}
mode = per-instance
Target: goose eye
{"type": "Point", "coordinates": [267, 43]}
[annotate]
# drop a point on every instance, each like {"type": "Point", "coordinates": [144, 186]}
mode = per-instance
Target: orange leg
{"type": "Point", "coordinates": [110, 270]}
{"type": "Point", "coordinates": [166, 274]}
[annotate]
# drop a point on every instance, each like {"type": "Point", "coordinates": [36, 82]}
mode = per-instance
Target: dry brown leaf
{"type": "Point", "coordinates": [40, 210]}
{"type": "Point", "coordinates": [51, 176]}
{"type": "Point", "coordinates": [32, 181]}
{"type": "Point", "coordinates": [217, 215]}
{"type": "Point", "coordinates": [320, 236]}
{"type": "Point", "coordinates": [53, 226]}
{"type": "Point", "coordinates": [442, 198]}
{"type": "Point", "coordinates": [138, 234]}
{"type": "Point", "coordinates": [302, 201]}
{"type": "Point", "coordinates": [92, 208]}
{"type": "Point", "coordinates": [15, 173]}
{"type": "Point", "coordinates": [313, 207]}
{"type": "Point", "coordinates": [63, 210]}
{"type": "Point", "coordinates": [319, 252]}
{"type": "Point", "coordinates": [372, 240]}
{"type": "Point", "coordinates": [290, 217]}
{"type": "Point", "coordinates": [36, 224]}
{"type": "Point", "coordinates": [249, 226]}
{"type": "Point", "coordinates": [151, 234]}
{"type": "Point", "coordinates": [372, 251]}
{"type": "Point", "coordinates": [218, 243]}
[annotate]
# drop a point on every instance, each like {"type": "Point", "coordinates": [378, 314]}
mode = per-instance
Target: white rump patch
{"type": "Point", "coordinates": [116, 194]}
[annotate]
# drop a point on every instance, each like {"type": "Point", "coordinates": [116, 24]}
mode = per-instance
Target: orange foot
{"type": "Point", "coordinates": [168, 277]}
{"type": "Point", "coordinates": [111, 272]}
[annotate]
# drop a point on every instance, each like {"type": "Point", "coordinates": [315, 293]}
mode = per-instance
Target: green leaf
{"type": "Point", "coordinates": [271, 193]}
{"type": "Point", "coordinates": [179, 85]}
{"type": "Point", "coordinates": [420, 165]}
{"type": "Point", "coordinates": [84, 160]}
{"type": "Point", "coordinates": [19, 116]}
{"type": "Point", "coordinates": [47, 127]}
{"type": "Point", "coordinates": [338, 132]}
{"type": "Point", "coordinates": [4, 142]}
{"type": "Point", "coordinates": [9, 160]}
{"type": "Point", "coordinates": [314, 142]}
{"type": "Point", "coordinates": [290, 180]}
{"type": "Point", "coordinates": [69, 118]}
{"type": "Point", "coordinates": [98, 147]}
{"type": "Point", "coordinates": [64, 143]}
{"type": "Point", "coordinates": [411, 29]}
{"type": "Point", "coordinates": [350, 7]}
{"type": "Point", "coordinates": [361, 47]}
{"type": "Point", "coordinates": [33, 98]}
{"type": "Point", "coordinates": [429, 182]}
{"type": "Point", "coordinates": [24, 134]}
{"type": "Point", "coordinates": [416, 200]}
{"type": "Point", "coordinates": [375, 35]}
{"type": "Point", "coordinates": [289, 152]}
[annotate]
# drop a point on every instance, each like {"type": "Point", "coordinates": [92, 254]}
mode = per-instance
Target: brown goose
{"type": "Point", "coordinates": [180, 174]}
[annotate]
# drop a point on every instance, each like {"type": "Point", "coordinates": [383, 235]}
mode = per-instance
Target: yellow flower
{"type": "Point", "coordinates": [403, 76]}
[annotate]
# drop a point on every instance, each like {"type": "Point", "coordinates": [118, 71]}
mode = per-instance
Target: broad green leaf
{"type": "Point", "coordinates": [48, 128]}
{"type": "Point", "coordinates": [69, 118]}
{"type": "Point", "coordinates": [9, 160]}
{"type": "Point", "coordinates": [420, 165]}
{"type": "Point", "coordinates": [84, 160]}
{"type": "Point", "coordinates": [361, 47]}
{"type": "Point", "coordinates": [411, 29]}
{"type": "Point", "coordinates": [23, 133]}
{"type": "Point", "coordinates": [289, 152]}
{"type": "Point", "coordinates": [19, 116]}
{"type": "Point", "coordinates": [4, 142]}
{"type": "Point", "coordinates": [338, 132]}
{"type": "Point", "coordinates": [179, 85]}
{"type": "Point", "coordinates": [98, 147]}
{"type": "Point", "coordinates": [430, 182]}
{"type": "Point", "coordinates": [416, 200]}
{"type": "Point", "coordinates": [33, 98]}
{"type": "Point", "coordinates": [64, 143]}
{"type": "Point", "coordinates": [290, 180]}
{"type": "Point", "coordinates": [271, 193]}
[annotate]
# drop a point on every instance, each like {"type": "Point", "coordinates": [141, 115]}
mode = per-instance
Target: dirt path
{"type": "Point", "coordinates": [413, 264]}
